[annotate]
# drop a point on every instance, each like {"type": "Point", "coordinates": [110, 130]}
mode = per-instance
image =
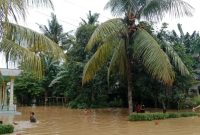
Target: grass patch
{"type": "Point", "coordinates": [159, 116]}
{"type": "Point", "coordinates": [5, 129]}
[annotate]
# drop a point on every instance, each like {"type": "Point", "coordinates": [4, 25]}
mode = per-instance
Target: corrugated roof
{"type": "Point", "coordinates": [10, 72]}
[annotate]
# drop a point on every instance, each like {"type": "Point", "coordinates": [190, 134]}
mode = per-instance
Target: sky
{"type": "Point", "coordinates": [70, 12]}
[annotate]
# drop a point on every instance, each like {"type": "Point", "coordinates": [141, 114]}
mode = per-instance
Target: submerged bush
{"type": "Point", "coordinates": [196, 101]}
{"type": "Point", "coordinates": [187, 114]}
{"type": "Point", "coordinates": [5, 129]}
{"type": "Point", "coordinates": [159, 116]}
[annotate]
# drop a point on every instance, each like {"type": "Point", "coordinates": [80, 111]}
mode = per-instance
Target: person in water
{"type": "Point", "coordinates": [32, 117]}
{"type": "Point", "coordinates": [138, 108]}
{"type": "Point", "coordinates": [142, 109]}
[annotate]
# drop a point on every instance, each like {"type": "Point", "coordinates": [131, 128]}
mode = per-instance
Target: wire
{"type": "Point", "coordinates": [64, 21]}
{"type": "Point", "coordinates": [58, 19]}
{"type": "Point", "coordinates": [76, 5]}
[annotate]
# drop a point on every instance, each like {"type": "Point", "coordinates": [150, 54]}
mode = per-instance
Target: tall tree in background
{"type": "Point", "coordinates": [92, 19]}
{"type": "Point", "coordinates": [127, 42]}
{"type": "Point", "coordinates": [54, 30]}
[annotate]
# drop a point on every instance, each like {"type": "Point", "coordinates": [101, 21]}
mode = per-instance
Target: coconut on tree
{"type": "Point", "coordinates": [127, 42]}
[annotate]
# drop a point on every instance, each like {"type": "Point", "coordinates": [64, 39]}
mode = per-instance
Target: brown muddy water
{"type": "Point", "coordinates": [63, 121]}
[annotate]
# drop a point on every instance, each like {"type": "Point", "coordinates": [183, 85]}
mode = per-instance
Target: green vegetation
{"type": "Point", "coordinates": [159, 116]}
{"type": "Point", "coordinates": [119, 57]}
{"type": "Point", "coordinates": [64, 80]}
{"type": "Point", "coordinates": [21, 44]}
{"type": "Point", "coordinates": [126, 44]}
{"type": "Point", "coordinates": [5, 129]}
{"type": "Point", "coordinates": [28, 86]}
{"type": "Point", "coordinates": [196, 101]}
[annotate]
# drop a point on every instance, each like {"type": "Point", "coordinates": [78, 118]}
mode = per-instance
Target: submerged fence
{"type": "Point", "coordinates": [48, 101]}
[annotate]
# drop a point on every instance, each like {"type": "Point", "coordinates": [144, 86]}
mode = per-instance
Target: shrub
{"type": "Point", "coordinates": [141, 117]}
{"type": "Point", "coordinates": [187, 114]}
{"type": "Point", "coordinates": [159, 116]}
{"type": "Point", "coordinates": [173, 115]}
{"type": "Point", "coordinates": [117, 102]}
{"type": "Point", "coordinates": [196, 101]}
{"type": "Point", "coordinates": [5, 129]}
{"type": "Point", "coordinates": [188, 103]}
{"type": "Point", "coordinates": [77, 105]}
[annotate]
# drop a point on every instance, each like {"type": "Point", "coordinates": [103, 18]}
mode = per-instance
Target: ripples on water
{"type": "Point", "coordinates": [62, 121]}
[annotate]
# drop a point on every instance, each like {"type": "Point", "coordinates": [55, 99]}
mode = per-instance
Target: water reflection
{"type": "Point", "coordinates": [7, 118]}
{"type": "Point", "coordinates": [62, 121]}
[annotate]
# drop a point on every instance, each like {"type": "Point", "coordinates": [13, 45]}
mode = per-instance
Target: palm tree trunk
{"type": "Point", "coordinates": [130, 87]}
{"type": "Point", "coordinates": [7, 57]}
{"type": "Point", "coordinates": [45, 97]}
{"type": "Point", "coordinates": [129, 77]}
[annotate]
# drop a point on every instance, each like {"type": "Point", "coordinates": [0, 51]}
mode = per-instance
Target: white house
{"type": "Point", "coordinates": [8, 75]}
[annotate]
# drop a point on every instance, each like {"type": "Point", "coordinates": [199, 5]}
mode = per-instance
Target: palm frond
{"type": "Point", "coordinates": [29, 59]}
{"type": "Point", "coordinates": [39, 3]}
{"type": "Point", "coordinates": [96, 62]}
{"type": "Point", "coordinates": [157, 9]}
{"type": "Point", "coordinates": [118, 61]}
{"type": "Point", "coordinates": [119, 7]}
{"type": "Point", "coordinates": [14, 8]}
{"type": "Point", "coordinates": [155, 60]}
{"type": "Point", "coordinates": [18, 8]}
{"type": "Point", "coordinates": [60, 75]}
{"type": "Point", "coordinates": [176, 60]}
{"type": "Point", "coordinates": [105, 31]}
{"type": "Point", "coordinates": [55, 81]}
{"type": "Point", "coordinates": [32, 40]}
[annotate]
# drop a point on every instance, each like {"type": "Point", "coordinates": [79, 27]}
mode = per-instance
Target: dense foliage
{"type": "Point", "coordinates": [122, 43]}
{"type": "Point", "coordinates": [65, 79]}
{"type": "Point", "coordinates": [6, 129]}
{"type": "Point", "coordinates": [27, 88]}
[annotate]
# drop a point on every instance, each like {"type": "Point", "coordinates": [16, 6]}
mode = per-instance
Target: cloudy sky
{"type": "Point", "coordinates": [69, 13]}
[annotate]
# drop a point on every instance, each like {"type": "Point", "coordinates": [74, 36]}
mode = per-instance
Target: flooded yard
{"type": "Point", "coordinates": [63, 121]}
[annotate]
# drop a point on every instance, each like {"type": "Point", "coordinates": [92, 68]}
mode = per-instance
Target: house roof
{"type": "Point", "coordinates": [10, 72]}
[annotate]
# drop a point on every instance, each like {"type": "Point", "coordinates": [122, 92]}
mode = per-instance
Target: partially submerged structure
{"type": "Point", "coordinates": [7, 77]}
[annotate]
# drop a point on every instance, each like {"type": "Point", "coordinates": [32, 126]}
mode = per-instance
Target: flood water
{"type": "Point", "coordinates": [62, 121]}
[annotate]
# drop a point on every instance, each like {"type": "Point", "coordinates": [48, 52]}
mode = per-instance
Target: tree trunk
{"type": "Point", "coordinates": [155, 103]}
{"type": "Point", "coordinates": [130, 87]}
{"type": "Point", "coordinates": [93, 96]}
{"type": "Point", "coordinates": [131, 30]}
{"type": "Point", "coordinates": [45, 97]}
{"type": "Point", "coordinates": [164, 106]}
{"type": "Point", "coordinates": [7, 58]}
{"type": "Point", "coordinates": [129, 77]}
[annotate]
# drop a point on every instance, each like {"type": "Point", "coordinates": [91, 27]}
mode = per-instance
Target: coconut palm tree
{"type": "Point", "coordinates": [92, 19]}
{"type": "Point", "coordinates": [23, 44]}
{"type": "Point", "coordinates": [54, 30]}
{"type": "Point", "coordinates": [127, 42]}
